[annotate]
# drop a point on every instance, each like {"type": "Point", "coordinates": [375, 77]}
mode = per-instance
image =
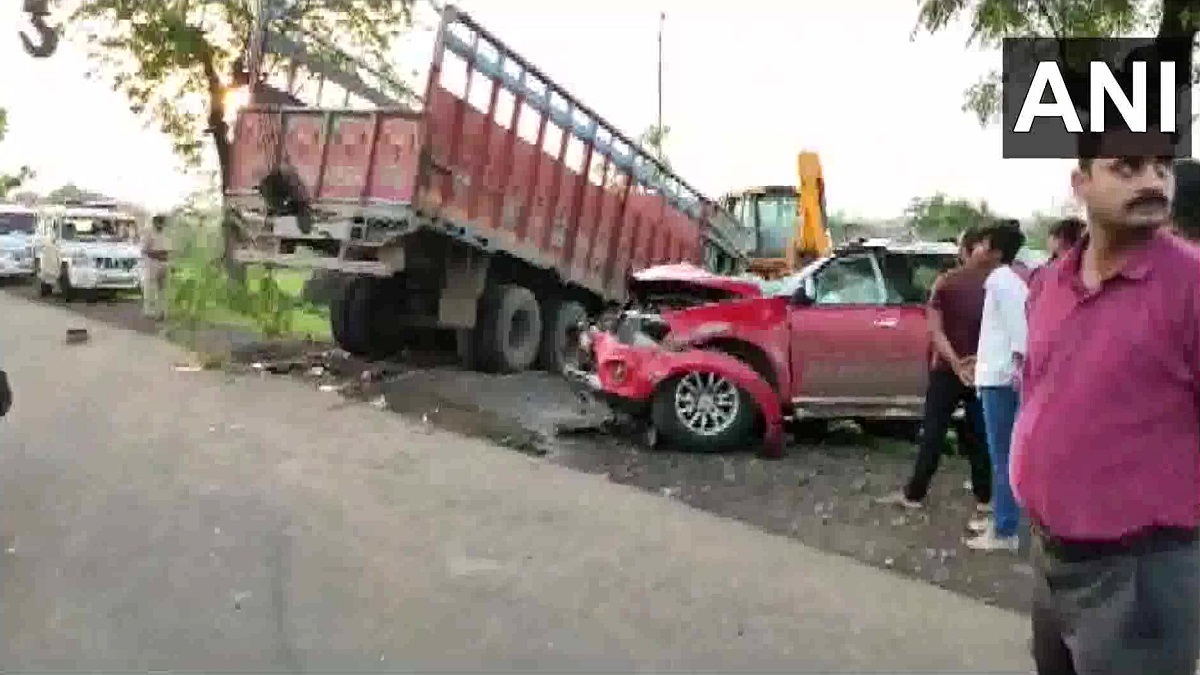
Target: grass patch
{"type": "Point", "coordinates": [269, 303]}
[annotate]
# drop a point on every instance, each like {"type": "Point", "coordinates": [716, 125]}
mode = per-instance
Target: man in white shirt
{"type": "Point", "coordinates": [1002, 338]}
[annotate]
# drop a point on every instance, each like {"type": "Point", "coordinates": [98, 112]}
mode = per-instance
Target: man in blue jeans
{"type": "Point", "coordinates": [1002, 337]}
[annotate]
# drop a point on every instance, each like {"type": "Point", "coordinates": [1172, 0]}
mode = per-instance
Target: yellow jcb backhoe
{"type": "Point", "coordinates": [788, 222]}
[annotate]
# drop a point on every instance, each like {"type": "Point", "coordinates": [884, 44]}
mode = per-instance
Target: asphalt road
{"type": "Point", "coordinates": [154, 519]}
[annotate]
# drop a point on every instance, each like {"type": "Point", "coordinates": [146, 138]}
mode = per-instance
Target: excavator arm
{"type": "Point", "coordinates": [811, 239]}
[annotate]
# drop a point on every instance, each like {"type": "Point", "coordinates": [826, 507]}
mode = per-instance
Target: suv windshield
{"type": "Point", "coordinates": [97, 229]}
{"type": "Point", "coordinates": [17, 223]}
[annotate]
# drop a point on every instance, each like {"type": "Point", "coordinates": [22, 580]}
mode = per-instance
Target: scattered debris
{"type": "Point", "coordinates": [77, 336]}
{"type": "Point", "coordinates": [240, 597]}
{"type": "Point", "coordinates": [379, 402]}
{"type": "Point", "coordinates": [671, 491]}
{"type": "Point", "coordinates": [188, 367]}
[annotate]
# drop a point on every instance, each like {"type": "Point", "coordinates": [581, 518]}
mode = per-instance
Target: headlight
{"type": "Point", "coordinates": [81, 260]}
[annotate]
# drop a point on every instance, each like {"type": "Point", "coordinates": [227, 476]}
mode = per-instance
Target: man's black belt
{"type": "Point", "coordinates": [1139, 542]}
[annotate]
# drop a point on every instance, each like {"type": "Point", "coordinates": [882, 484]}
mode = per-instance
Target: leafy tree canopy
{"type": "Point", "coordinates": [10, 182]}
{"type": "Point", "coordinates": [173, 58]}
{"type": "Point", "coordinates": [993, 20]}
{"type": "Point", "coordinates": [940, 217]}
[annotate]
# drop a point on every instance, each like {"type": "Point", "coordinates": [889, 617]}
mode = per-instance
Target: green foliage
{"type": "Point", "coordinates": [940, 217]}
{"type": "Point", "coordinates": [993, 20]}
{"type": "Point", "coordinates": [839, 226]}
{"type": "Point", "coordinates": [200, 293]}
{"type": "Point", "coordinates": [654, 140]}
{"type": "Point", "coordinates": [10, 182]}
{"type": "Point", "coordinates": [172, 59]}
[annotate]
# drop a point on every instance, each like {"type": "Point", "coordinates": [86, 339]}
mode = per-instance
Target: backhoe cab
{"type": "Point", "coordinates": [786, 224]}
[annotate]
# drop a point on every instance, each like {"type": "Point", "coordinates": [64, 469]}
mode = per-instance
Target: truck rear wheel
{"type": "Point", "coordinates": [509, 330]}
{"type": "Point", "coordinates": [560, 336]}
{"type": "Point", "coordinates": [359, 320]}
{"type": "Point", "coordinates": [340, 319]}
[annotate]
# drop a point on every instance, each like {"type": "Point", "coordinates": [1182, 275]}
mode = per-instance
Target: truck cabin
{"type": "Point", "coordinates": [768, 217]}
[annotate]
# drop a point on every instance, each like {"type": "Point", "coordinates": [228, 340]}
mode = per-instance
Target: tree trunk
{"type": "Point", "coordinates": [219, 130]}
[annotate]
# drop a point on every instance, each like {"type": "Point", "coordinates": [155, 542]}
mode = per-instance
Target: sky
{"type": "Point", "coordinates": [747, 86]}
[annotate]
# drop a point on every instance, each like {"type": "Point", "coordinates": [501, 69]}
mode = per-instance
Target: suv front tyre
{"type": "Point", "coordinates": [703, 411]}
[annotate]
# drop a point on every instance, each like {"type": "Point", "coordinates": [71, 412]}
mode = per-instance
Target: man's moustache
{"type": "Point", "coordinates": [1148, 200]}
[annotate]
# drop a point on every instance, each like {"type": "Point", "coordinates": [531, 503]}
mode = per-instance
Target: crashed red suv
{"type": "Point", "coordinates": [713, 361]}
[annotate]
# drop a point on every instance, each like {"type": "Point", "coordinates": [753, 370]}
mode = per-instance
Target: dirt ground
{"type": "Point", "coordinates": [821, 493]}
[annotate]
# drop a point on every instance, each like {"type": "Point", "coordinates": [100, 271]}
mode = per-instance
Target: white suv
{"type": "Point", "coordinates": [87, 249]}
{"type": "Point", "coordinates": [17, 224]}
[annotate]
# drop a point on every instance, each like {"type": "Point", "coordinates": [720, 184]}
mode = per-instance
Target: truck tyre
{"type": "Point", "coordinates": [339, 306]}
{"type": "Point", "coordinates": [703, 411]}
{"type": "Point", "coordinates": [354, 313]}
{"type": "Point", "coordinates": [510, 329]}
{"type": "Point", "coordinates": [560, 337]}
{"type": "Point", "coordinates": [369, 327]}
{"type": "Point", "coordinates": [322, 288]}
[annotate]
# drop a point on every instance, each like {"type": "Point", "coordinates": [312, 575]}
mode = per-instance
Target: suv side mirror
{"type": "Point", "coordinates": [802, 298]}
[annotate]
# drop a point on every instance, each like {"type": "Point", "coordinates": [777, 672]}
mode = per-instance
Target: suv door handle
{"type": "Point", "coordinates": [886, 323]}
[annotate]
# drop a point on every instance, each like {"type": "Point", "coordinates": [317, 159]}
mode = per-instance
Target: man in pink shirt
{"type": "Point", "coordinates": [1106, 449]}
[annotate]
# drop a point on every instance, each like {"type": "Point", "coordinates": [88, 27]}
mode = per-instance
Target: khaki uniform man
{"type": "Point", "coordinates": [155, 250]}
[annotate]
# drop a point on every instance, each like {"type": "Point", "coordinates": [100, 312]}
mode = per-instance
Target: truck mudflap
{"type": "Point", "coordinates": [628, 376]}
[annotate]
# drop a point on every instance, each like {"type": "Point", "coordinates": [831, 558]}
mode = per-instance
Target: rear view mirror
{"type": "Point", "coordinates": [801, 297]}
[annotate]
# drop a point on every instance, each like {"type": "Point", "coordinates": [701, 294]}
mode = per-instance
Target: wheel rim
{"type": "Point", "coordinates": [706, 403]}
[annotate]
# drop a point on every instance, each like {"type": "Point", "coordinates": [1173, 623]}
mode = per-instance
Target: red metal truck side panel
{"type": "Point", "coordinates": [346, 157]}
{"type": "Point", "coordinates": [588, 224]}
{"type": "Point", "coordinates": [397, 159]}
{"type": "Point", "coordinates": [347, 174]}
{"type": "Point", "coordinates": [254, 149]}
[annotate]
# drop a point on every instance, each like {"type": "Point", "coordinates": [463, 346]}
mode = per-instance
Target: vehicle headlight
{"type": "Point", "coordinates": [81, 260]}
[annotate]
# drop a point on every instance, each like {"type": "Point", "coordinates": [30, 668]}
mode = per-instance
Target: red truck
{"type": "Point", "coordinates": [505, 210]}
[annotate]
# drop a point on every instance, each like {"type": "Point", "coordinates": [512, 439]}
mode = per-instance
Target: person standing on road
{"type": "Point", "coordinates": [155, 251]}
{"type": "Point", "coordinates": [1106, 450]}
{"type": "Point", "coordinates": [1002, 336]}
{"type": "Point", "coordinates": [955, 311]}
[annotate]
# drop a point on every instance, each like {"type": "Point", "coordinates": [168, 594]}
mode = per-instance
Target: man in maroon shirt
{"type": "Point", "coordinates": [1106, 450]}
{"type": "Point", "coordinates": [955, 313]}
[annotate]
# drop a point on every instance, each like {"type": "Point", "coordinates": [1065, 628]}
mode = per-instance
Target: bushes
{"type": "Point", "coordinates": [200, 293]}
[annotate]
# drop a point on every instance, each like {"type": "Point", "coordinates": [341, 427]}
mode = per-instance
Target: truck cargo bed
{"type": "Point", "coordinates": [500, 158]}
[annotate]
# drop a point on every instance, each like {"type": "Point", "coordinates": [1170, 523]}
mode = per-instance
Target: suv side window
{"type": "Point", "coordinates": [848, 281]}
{"type": "Point", "coordinates": [908, 279]}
